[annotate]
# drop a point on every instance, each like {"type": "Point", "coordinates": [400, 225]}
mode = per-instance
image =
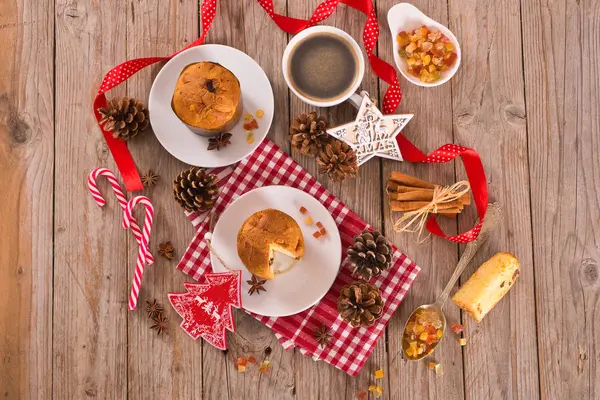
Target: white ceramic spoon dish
{"type": "Point", "coordinates": [406, 17]}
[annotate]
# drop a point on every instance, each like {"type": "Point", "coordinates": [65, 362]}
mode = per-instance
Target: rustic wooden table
{"type": "Point", "coordinates": [526, 97]}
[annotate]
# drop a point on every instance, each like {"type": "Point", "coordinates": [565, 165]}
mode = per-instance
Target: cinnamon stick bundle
{"type": "Point", "coordinates": [407, 193]}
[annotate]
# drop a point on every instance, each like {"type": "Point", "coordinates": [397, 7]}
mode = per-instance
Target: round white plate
{"type": "Point", "coordinates": [189, 147]}
{"type": "Point", "coordinates": [310, 279]}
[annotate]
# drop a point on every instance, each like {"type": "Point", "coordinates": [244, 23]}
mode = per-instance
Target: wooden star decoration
{"type": "Point", "coordinates": [372, 133]}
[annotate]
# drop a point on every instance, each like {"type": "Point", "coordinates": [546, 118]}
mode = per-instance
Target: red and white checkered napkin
{"type": "Point", "coordinates": [350, 347]}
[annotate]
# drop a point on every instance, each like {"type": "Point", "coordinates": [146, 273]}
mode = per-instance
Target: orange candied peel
{"type": "Point", "coordinates": [323, 231]}
{"type": "Point", "coordinates": [251, 125]}
{"type": "Point", "coordinates": [432, 364]}
{"type": "Point", "coordinates": [422, 333]}
{"type": "Point", "coordinates": [259, 113]}
{"type": "Point", "coordinates": [376, 390]}
{"type": "Point", "coordinates": [248, 117]}
{"type": "Point", "coordinates": [317, 234]}
{"type": "Point", "coordinates": [241, 363]}
{"type": "Point", "coordinates": [319, 225]}
{"type": "Point", "coordinates": [462, 341]}
{"type": "Point", "coordinates": [362, 395]}
{"type": "Point", "coordinates": [252, 359]}
{"type": "Point", "coordinates": [427, 53]}
{"type": "Point", "coordinates": [379, 374]}
{"type": "Point", "coordinates": [303, 210]}
{"type": "Point", "coordinates": [265, 367]}
{"type": "Point", "coordinates": [308, 221]}
{"type": "Point", "coordinates": [457, 328]}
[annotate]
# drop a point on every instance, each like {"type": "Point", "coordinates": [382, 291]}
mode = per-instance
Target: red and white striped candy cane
{"type": "Point", "coordinates": [141, 258]}
{"type": "Point", "coordinates": [121, 199]}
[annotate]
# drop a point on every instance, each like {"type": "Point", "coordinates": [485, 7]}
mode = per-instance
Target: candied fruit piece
{"type": "Point", "coordinates": [251, 359]}
{"type": "Point", "coordinates": [403, 39]}
{"type": "Point", "coordinates": [319, 225]}
{"type": "Point", "coordinates": [249, 137]}
{"type": "Point", "coordinates": [411, 61]}
{"type": "Point", "coordinates": [241, 361]}
{"type": "Point", "coordinates": [323, 231]}
{"type": "Point", "coordinates": [432, 365]}
{"type": "Point", "coordinates": [317, 234]}
{"type": "Point", "coordinates": [265, 367]}
{"type": "Point", "coordinates": [248, 117]}
{"type": "Point", "coordinates": [423, 32]}
{"type": "Point", "coordinates": [419, 328]}
{"type": "Point", "coordinates": [434, 36]}
{"type": "Point", "coordinates": [251, 125]}
{"type": "Point", "coordinates": [439, 333]}
{"type": "Point", "coordinates": [411, 47]}
{"type": "Point", "coordinates": [426, 46]}
{"type": "Point", "coordinates": [423, 336]}
{"type": "Point", "coordinates": [462, 341]}
{"type": "Point", "coordinates": [451, 59]}
{"type": "Point", "coordinates": [260, 113]}
{"type": "Point", "coordinates": [457, 328]}
{"type": "Point", "coordinates": [449, 46]}
{"type": "Point", "coordinates": [362, 395]}
{"type": "Point", "coordinates": [431, 69]}
{"type": "Point", "coordinates": [426, 59]}
{"type": "Point", "coordinates": [303, 210]}
{"type": "Point", "coordinates": [439, 371]}
{"type": "Point", "coordinates": [308, 221]}
{"type": "Point", "coordinates": [379, 374]}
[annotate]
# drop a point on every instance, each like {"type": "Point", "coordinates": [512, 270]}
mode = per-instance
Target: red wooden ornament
{"type": "Point", "coordinates": [206, 307]}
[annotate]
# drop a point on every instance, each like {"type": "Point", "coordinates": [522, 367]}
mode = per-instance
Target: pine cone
{"type": "Point", "coordinates": [308, 133]}
{"type": "Point", "coordinates": [370, 254]}
{"type": "Point", "coordinates": [195, 190]}
{"type": "Point", "coordinates": [360, 303]}
{"type": "Point", "coordinates": [124, 117]}
{"type": "Point", "coordinates": [338, 160]}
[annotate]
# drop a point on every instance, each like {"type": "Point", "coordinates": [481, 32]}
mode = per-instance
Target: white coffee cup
{"type": "Point", "coordinates": [315, 30]}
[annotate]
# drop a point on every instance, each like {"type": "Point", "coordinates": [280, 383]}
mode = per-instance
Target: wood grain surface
{"type": "Point", "coordinates": [525, 97]}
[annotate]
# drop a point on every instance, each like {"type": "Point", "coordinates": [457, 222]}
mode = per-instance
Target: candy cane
{"type": "Point", "coordinates": [121, 199]}
{"type": "Point", "coordinates": [143, 250]}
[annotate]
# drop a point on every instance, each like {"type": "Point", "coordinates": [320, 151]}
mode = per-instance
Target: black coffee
{"type": "Point", "coordinates": [323, 67]}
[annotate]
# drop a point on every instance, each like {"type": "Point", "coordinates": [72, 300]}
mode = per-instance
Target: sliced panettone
{"type": "Point", "coordinates": [264, 233]}
{"type": "Point", "coordinates": [486, 287]}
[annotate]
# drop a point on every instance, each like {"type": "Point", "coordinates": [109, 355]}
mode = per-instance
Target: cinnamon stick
{"type": "Point", "coordinates": [411, 181]}
{"type": "Point", "coordinates": [415, 205]}
{"type": "Point", "coordinates": [398, 188]}
{"type": "Point", "coordinates": [417, 194]}
{"type": "Point", "coordinates": [401, 193]}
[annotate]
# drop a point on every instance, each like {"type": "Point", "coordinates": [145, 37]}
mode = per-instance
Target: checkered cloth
{"type": "Point", "coordinates": [350, 347]}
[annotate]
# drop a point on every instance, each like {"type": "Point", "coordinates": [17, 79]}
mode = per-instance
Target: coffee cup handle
{"type": "Point", "coordinates": [356, 99]}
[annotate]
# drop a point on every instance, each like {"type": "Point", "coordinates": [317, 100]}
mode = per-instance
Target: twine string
{"type": "Point", "coordinates": [415, 221]}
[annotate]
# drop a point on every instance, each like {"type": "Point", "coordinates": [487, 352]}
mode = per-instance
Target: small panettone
{"type": "Point", "coordinates": [207, 98]}
{"type": "Point", "coordinates": [360, 304]}
{"type": "Point", "coordinates": [262, 234]}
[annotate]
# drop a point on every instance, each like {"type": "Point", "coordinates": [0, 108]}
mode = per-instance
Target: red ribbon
{"type": "Point", "coordinates": [382, 69]}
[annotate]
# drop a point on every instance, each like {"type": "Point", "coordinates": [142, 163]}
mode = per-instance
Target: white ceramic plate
{"type": "Point", "coordinates": [310, 279]}
{"type": "Point", "coordinates": [406, 17]}
{"type": "Point", "coordinates": [189, 147]}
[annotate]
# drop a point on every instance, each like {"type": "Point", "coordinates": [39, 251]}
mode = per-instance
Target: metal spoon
{"type": "Point", "coordinates": [492, 217]}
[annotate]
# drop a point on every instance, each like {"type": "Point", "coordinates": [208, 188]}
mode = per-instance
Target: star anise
{"type": "Point", "coordinates": [149, 179]}
{"type": "Point", "coordinates": [154, 308]}
{"type": "Point", "coordinates": [256, 285]}
{"type": "Point", "coordinates": [322, 335]}
{"type": "Point", "coordinates": [167, 250]}
{"type": "Point", "coordinates": [161, 324]}
{"type": "Point", "coordinates": [221, 140]}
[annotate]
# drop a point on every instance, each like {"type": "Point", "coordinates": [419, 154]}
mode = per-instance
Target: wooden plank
{"type": "Point", "coordinates": [243, 25]}
{"type": "Point", "coordinates": [430, 128]}
{"type": "Point", "coordinates": [160, 367]}
{"type": "Point", "coordinates": [90, 264]}
{"type": "Point", "coordinates": [26, 159]}
{"type": "Point", "coordinates": [560, 41]}
{"type": "Point", "coordinates": [489, 115]}
{"type": "Point", "coordinates": [363, 195]}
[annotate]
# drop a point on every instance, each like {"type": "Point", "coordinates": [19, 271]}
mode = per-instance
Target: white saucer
{"type": "Point", "coordinates": [189, 147]}
{"type": "Point", "coordinates": [310, 279]}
